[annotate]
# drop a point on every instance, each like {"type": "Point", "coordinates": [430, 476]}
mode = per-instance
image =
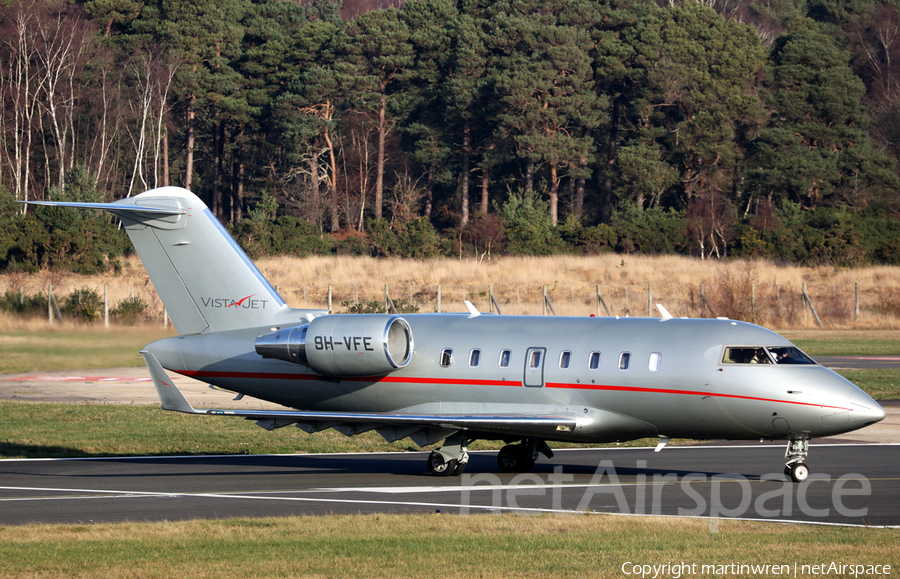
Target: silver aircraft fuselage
{"type": "Point", "coordinates": [686, 392]}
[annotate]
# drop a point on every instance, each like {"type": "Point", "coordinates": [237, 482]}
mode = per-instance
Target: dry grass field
{"type": "Point", "coordinates": [763, 292]}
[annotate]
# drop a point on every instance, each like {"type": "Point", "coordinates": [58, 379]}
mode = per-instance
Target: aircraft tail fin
{"type": "Point", "coordinates": [205, 280]}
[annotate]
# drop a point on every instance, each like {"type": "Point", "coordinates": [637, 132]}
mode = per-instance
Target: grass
{"type": "Point", "coordinates": [880, 384]}
{"type": "Point", "coordinates": [388, 546]}
{"type": "Point", "coordinates": [518, 283]}
{"type": "Point", "coordinates": [80, 347]}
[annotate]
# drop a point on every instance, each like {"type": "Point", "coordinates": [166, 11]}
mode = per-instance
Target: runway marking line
{"type": "Point", "coordinates": [116, 494]}
{"type": "Point", "coordinates": [669, 449]}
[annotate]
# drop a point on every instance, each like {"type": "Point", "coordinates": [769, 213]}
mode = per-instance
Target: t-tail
{"type": "Point", "coordinates": [205, 280]}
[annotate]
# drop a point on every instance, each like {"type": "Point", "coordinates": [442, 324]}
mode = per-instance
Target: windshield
{"type": "Point", "coordinates": [790, 355]}
{"type": "Point", "coordinates": [765, 355]}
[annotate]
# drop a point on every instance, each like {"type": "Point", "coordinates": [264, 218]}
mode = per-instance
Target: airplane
{"type": "Point", "coordinates": [460, 377]}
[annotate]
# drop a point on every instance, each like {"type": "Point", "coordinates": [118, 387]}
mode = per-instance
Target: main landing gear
{"type": "Point", "coordinates": [796, 452]}
{"type": "Point", "coordinates": [451, 459]}
{"type": "Point", "coordinates": [520, 457]}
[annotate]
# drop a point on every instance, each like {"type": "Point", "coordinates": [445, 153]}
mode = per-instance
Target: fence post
{"type": "Point", "coordinates": [803, 303]}
{"type": "Point", "coordinates": [857, 301]}
{"type": "Point", "coordinates": [330, 308]}
{"type": "Point", "coordinates": [702, 302]}
{"type": "Point", "coordinates": [106, 306]}
{"type": "Point", "coordinates": [491, 298]}
{"type": "Point", "coordinates": [50, 303]}
{"type": "Point", "coordinates": [810, 304]}
{"type": "Point", "coordinates": [600, 301]}
{"type": "Point", "coordinates": [545, 301]}
{"type": "Point", "coordinates": [439, 299]}
{"type": "Point", "coordinates": [753, 302]}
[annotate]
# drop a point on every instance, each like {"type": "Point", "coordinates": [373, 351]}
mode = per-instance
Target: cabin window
{"type": "Point", "coordinates": [655, 359]}
{"type": "Point", "coordinates": [784, 356]}
{"type": "Point", "coordinates": [446, 357]}
{"type": "Point", "coordinates": [564, 359]}
{"type": "Point", "coordinates": [747, 355]}
{"type": "Point", "coordinates": [474, 357]}
{"type": "Point", "coordinates": [504, 359]}
{"type": "Point", "coordinates": [624, 359]}
{"type": "Point", "coordinates": [535, 360]}
{"type": "Point", "coordinates": [594, 361]}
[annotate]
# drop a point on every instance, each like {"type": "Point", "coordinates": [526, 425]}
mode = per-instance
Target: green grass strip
{"type": "Point", "coordinates": [389, 546]}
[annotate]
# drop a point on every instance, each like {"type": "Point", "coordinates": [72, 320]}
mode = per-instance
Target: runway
{"type": "Point", "coordinates": [851, 484]}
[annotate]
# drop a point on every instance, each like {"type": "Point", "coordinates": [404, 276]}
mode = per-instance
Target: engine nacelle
{"type": "Point", "coordinates": [343, 345]}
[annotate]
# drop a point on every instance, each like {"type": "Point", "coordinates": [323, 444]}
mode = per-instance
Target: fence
{"type": "Point", "coordinates": [773, 305]}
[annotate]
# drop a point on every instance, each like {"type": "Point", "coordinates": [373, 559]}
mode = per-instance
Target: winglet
{"type": "Point", "coordinates": [664, 312]}
{"type": "Point", "coordinates": [473, 311]}
{"type": "Point", "coordinates": [169, 396]}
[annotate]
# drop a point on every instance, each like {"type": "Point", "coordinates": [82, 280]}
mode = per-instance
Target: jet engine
{"type": "Point", "coordinates": [343, 345]}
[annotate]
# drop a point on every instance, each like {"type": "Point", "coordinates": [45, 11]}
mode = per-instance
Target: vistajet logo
{"type": "Point", "coordinates": [245, 303]}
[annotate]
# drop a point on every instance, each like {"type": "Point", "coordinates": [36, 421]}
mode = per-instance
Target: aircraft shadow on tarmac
{"type": "Point", "coordinates": [400, 464]}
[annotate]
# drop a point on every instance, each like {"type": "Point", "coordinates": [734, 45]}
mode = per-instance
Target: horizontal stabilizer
{"type": "Point", "coordinates": [170, 396]}
{"type": "Point", "coordinates": [117, 207]}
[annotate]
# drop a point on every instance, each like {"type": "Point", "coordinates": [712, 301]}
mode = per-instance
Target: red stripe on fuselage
{"type": "Point", "coordinates": [682, 392]}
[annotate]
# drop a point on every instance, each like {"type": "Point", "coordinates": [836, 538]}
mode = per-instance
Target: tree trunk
{"type": "Point", "coordinates": [237, 189]}
{"type": "Point", "coordinates": [554, 195]}
{"type": "Point", "coordinates": [332, 163]}
{"type": "Point", "coordinates": [165, 160]}
{"type": "Point", "coordinates": [217, 172]}
{"type": "Point", "coordinates": [606, 193]}
{"type": "Point", "coordinates": [464, 186]}
{"type": "Point", "coordinates": [379, 169]}
{"type": "Point", "coordinates": [315, 198]}
{"type": "Point", "coordinates": [529, 175]}
{"type": "Point", "coordinates": [429, 190]}
{"type": "Point", "coordinates": [485, 179]}
{"type": "Point", "coordinates": [189, 158]}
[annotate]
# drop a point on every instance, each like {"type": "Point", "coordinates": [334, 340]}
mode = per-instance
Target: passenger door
{"type": "Point", "coordinates": [534, 367]}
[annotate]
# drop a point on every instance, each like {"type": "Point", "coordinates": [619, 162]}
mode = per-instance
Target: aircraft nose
{"type": "Point", "coordinates": [864, 410]}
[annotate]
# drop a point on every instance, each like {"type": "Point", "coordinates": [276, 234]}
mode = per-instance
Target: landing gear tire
{"type": "Point", "coordinates": [439, 467]}
{"type": "Point", "coordinates": [511, 458]}
{"type": "Point", "coordinates": [460, 468]}
{"type": "Point", "coordinates": [798, 472]}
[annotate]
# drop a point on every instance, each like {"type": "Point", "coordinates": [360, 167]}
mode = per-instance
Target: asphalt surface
{"type": "Point", "coordinates": [850, 484]}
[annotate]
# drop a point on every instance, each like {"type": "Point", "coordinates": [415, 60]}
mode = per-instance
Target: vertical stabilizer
{"type": "Point", "coordinates": [205, 280]}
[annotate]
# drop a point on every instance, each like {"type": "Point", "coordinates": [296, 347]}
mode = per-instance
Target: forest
{"type": "Point", "coordinates": [717, 128]}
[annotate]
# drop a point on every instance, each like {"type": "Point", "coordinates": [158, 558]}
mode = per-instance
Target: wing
{"type": "Point", "coordinates": [422, 428]}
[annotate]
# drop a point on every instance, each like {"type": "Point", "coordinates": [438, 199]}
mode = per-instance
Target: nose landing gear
{"type": "Point", "coordinates": [796, 452]}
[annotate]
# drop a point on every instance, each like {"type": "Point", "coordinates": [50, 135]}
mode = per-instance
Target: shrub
{"type": "Point", "coordinates": [527, 224]}
{"type": "Point", "coordinates": [83, 304]}
{"type": "Point", "coordinates": [17, 303]}
{"type": "Point", "coordinates": [130, 311]}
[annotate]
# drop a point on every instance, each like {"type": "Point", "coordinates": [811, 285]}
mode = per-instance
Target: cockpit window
{"type": "Point", "coordinates": [790, 356]}
{"type": "Point", "coordinates": [764, 355]}
{"type": "Point", "coordinates": [746, 355]}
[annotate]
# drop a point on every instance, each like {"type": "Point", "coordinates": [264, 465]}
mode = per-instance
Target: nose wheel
{"type": "Point", "coordinates": [797, 471]}
{"type": "Point", "coordinates": [796, 453]}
